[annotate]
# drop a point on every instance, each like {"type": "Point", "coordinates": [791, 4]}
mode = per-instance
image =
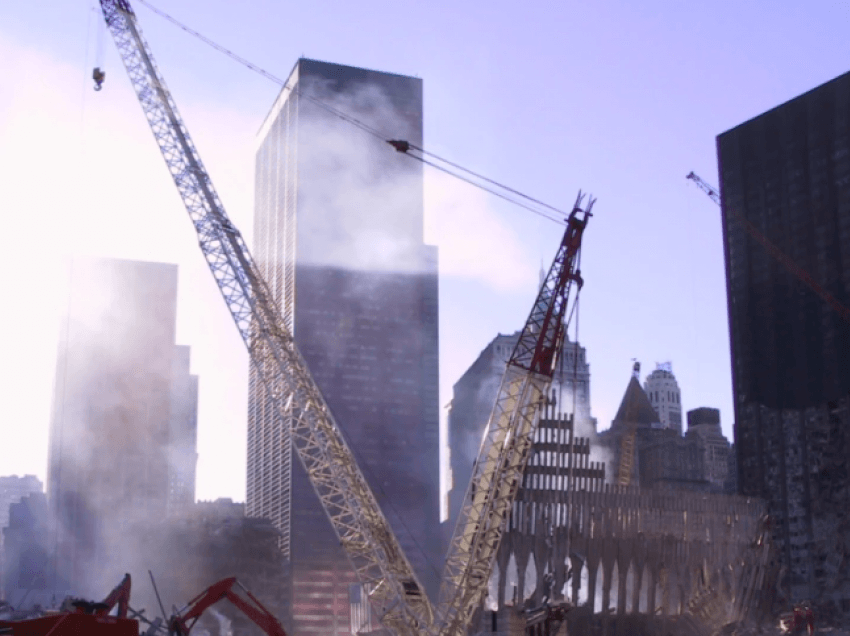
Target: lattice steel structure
{"type": "Point", "coordinates": [363, 530]}
{"type": "Point", "coordinates": [509, 435]}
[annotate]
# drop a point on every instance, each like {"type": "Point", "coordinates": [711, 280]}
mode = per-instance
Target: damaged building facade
{"type": "Point", "coordinates": [787, 173]}
{"type": "Point", "coordinates": [631, 561]}
{"type": "Point", "coordinates": [473, 397]}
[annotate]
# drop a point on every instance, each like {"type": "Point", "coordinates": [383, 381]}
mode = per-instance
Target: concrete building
{"type": "Point", "coordinates": [731, 484]}
{"type": "Point", "coordinates": [338, 235]}
{"type": "Point", "coordinates": [183, 436]}
{"type": "Point", "coordinates": [704, 429]}
{"type": "Point", "coordinates": [644, 451]}
{"type": "Point", "coordinates": [667, 461]}
{"type": "Point", "coordinates": [787, 172]}
{"type": "Point", "coordinates": [26, 575]}
{"type": "Point", "coordinates": [124, 415]}
{"type": "Point", "coordinates": [474, 395]}
{"type": "Point", "coordinates": [12, 490]}
{"type": "Point", "coordinates": [624, 557]}
{"type": "Point", "coordinates": [664, 396]}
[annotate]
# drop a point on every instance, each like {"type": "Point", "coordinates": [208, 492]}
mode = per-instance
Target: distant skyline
{"type": "Point", "coordinates": [623, 106]}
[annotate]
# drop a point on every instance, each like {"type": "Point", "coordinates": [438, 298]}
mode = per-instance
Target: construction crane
{"type": "Point", "coordinates": [508, 438]}
{"type": "Point", "coordinates": [774, 251]}
{"type": "Point", "coordinates": [392, 587]}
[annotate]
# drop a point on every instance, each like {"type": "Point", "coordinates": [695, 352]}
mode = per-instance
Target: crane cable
{"type": "Point", "coordinates": [500, 190]}
{"type": "Point", "coordinates": [368, 129]}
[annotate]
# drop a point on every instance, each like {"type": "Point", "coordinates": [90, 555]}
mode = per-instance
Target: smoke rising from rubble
{"type": "Point", "coordinates": [344, 170]}
{"type": "Point", "coordinates": [121, 442]}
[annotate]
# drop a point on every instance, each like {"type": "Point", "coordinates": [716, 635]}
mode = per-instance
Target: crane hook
{"type": "Point", "coordinates": [98, 75]}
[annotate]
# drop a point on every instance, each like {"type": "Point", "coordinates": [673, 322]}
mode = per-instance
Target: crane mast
{"type": "Point", "coordinates": [394, 590]}
{"type": "Point", "coordinates": [508, 438]}
{"type": "Point", "coordinates": [774, 251]}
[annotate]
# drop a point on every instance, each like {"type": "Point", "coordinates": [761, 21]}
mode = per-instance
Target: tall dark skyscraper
{"type": "Point", "coordinates": [122, 434]}
{"type": "Point", "coordinates": [338, 234]}
{"type": "Point", "coordinates": [787, 172]}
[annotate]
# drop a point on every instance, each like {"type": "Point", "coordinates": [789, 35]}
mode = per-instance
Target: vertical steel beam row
{"type": "Point", "coordinates": [508, 438]}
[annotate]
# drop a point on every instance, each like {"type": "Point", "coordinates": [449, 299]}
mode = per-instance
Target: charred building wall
{"type": "Point", "coordinates": [615, 553]}
{"type": "Point", "coordinates": [787, 172]}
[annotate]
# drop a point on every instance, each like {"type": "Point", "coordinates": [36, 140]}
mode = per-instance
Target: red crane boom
{"type": "Point", "coordinates": [181, 624]}
{"type": "Point", "coordinates": [774, 251]}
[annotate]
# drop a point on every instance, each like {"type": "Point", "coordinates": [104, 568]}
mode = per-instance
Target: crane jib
{"type": "Point", "coordinates": [355, 515]}
{"type": "Point", "coordinates": [372, 548]}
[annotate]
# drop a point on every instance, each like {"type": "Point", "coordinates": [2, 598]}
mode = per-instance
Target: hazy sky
{"type": "Point", "coordinates": [621, 99]}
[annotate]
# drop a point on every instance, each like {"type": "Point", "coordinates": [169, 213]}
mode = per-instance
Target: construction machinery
{"type": "Point", "coordinates": [625, 467]}
{"type": "Point", "coordinates": [774, 251]}
{"type": "Point", "coordinates": [393, 589]}
{"type": "Point", "coordinates": [181, 623]}
{"type": "Point", "coordinates": [799, 621]}
{"type": "Point", "coordinates": [507, 441]}
{"type": "Point", "coordinates": [81, 617]}
{"type": "Point", "coordinates": [627, 456]}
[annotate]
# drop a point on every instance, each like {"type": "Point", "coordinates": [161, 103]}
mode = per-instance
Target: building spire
{"type": "Point", "coordinates": [636, 369]}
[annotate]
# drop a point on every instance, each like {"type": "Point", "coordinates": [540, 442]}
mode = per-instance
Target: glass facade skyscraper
{"type": "Point", "coordinates": [338, 234]}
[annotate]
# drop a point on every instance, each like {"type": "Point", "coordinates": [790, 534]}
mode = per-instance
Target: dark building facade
{"type": "Point", "coordinates": [338, 234]}
{"type": "Point", "coordinates": [704, 429]}
{"type": "Point", "coordinates": [12, 490]}
{"type": "Point", "coordinates": [26, 555]}
{"type": "Point", "coordinates": [787, 172]}
{"type": "Point", "coordinates": [124, 415]}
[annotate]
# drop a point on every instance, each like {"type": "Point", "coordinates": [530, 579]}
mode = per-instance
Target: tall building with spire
{"type": "Point", "coordinates": [665, 396]}
{"type": "Point", "coordinates": [338, 235]}
{"type": "Point", "coordinates": [645, 452]}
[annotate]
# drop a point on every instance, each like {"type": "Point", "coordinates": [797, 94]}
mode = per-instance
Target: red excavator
{"type": "Point", "coordinates": [81, 617]}
{"type": "Point", "coordinates": [182, 622]}
{"type": "Point", "coordinates": [93, 619]}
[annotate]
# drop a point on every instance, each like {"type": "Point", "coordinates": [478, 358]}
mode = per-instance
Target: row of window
{"type": "Point", "coordinates": [672, 396]}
